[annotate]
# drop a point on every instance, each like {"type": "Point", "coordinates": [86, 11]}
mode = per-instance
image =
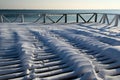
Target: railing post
{"type": "Point", "coordinates": [104, 16]}
{"type": "Point", "coordinates": [116, 20]}
{"type": "Point", "coordinates": [65, 18]}
{"type": "Point", "coordinates": [44, 18]}
{"type": "Point", "coordinates": [95, 17]}
{"type": "Point", "coordinates": [22, 18]}
{"type": "Point", "coordinates": [77, 18]}
{"type": "Point", "coordinates": [103, 19]}
{"type": "Point", "coordinates": [107, 19]}
{"type": "Point", "coordinates": [1, 19]}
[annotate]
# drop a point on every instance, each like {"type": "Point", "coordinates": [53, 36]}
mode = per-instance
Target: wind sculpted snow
{"type": "Point", "coordinates": [88, 51]}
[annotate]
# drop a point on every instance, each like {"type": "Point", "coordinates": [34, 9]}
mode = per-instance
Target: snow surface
{"type": "Point", "coordinates": [89, 51]}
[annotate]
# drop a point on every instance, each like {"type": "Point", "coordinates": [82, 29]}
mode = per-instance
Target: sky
{"type": "Point", "coordinates": [59, 4]}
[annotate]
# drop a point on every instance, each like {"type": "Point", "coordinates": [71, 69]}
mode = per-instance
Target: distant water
{"type": "Point", "coordinates": [60, 11]}
{"type": "Point", "coordinates": [32, 18]}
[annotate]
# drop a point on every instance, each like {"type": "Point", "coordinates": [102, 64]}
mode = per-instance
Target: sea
{"type": "Point", "coordinates": [33, 15]}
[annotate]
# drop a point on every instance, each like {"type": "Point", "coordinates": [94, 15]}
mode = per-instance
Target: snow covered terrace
{"type": "Point", "coordinates": [87, 50]}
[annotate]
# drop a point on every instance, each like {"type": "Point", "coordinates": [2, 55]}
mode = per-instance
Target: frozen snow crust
{"type": "Point", "coordinates": [59, 52]}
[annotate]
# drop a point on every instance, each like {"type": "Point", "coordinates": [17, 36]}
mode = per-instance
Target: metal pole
{"type": "Point", "coordinates": [104, 16]}
{"type": "Point", "coordinates": [112, 20]}
{"type": "Point", "coordinates": [107, 20]}
{"type": "Point", "coordinates": [116, 20]}
{"type": "Point", "coordinates": [77, 18]}
{"type": "Point", "coordinates": [1, 19]}
{"type": "Point", "coordinates": [44, 18]}
{"type": "Point", "coordinates": [65, 18]}
{"type": "Point", "coordinates": [95, 17]}
{"type": "Point", "coordinates": [22, 18]}
{"type": "Point", "coordinates": [101, 19]}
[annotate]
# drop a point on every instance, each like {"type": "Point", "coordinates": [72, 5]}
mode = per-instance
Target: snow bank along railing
{"type": "Point", "coordinates": [60, 17]}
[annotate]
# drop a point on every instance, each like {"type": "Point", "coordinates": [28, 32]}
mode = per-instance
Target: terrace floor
{"type": "Point", "coordinates": [89, 51]}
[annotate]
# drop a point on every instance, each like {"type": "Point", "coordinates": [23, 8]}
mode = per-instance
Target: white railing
{"type": "Point", "coordinates": [105, 18]}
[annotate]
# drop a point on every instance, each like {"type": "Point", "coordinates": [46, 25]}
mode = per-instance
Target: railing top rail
{"type": "Point", "coordinates": [47, 13]}
{"type": "Point", "coordinates": [109, 13]}
{"type": "Point", "coordinates": [59, 13]}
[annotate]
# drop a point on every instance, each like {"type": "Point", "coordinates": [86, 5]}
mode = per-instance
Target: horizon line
{"type": "Point", "coordinates": [57, 9]}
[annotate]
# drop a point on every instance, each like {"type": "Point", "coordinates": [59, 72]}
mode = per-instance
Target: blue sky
{"type": "Point", "coordinates": [59, 4]}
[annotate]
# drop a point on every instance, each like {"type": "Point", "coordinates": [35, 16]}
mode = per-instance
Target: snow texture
{"type": "Point", "coordinates": [87, 51]}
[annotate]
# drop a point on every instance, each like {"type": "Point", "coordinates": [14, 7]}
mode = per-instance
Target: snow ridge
{"type": "Point", "coordinates": [69, 54]}
{"type": "Point", "coordinates": [58, 52]}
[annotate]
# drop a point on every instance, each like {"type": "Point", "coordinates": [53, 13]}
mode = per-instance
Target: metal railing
{"type": "Point", "coordinates": [105, 18]}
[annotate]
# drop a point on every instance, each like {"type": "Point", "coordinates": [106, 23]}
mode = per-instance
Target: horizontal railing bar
{"type": "Point", "coordinates": [47, 13]}
{"type": "Point", "coordinates": [44, 13]}
{"type": "Point", "coordinates": [52, 14]}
